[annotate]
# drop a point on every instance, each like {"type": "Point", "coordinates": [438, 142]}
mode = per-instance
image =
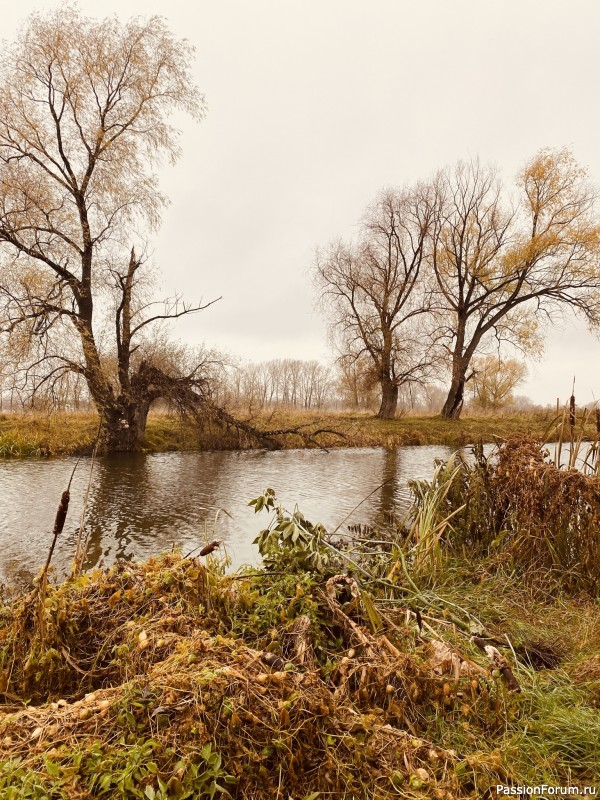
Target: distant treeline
{"type": "Point", "coordinates": [284, 382]}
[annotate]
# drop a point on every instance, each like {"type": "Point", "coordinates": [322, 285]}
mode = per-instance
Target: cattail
{"type": "Point", "coordinates": [59, 524]}
{"type": "Point", "coordinates": [598, 420]}
{"type": "Point", "coordinates": [572, 411]}
{"type": "Point", "coordinates": [61, 513]}
{"type": "Point", "coordinates": [210, 548]}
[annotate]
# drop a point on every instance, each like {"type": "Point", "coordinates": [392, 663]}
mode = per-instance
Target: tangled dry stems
{"type": "Point", "coordinates": [522, 507]}
{"type": "Point", "coordinates": [145, 653]}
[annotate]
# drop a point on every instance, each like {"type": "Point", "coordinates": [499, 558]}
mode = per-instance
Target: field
{"type": "Point", "coordinates": [40, 434]}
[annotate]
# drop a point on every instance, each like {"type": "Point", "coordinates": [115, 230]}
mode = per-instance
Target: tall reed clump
{"type": "Point", "coordinates": [520, 506]}
{"type": "Point", "coordinates": [432, 513]}
{"type": "Point", "coordinates": [549, 517]}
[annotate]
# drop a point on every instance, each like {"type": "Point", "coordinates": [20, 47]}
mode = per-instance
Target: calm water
{"type": "Point", "coordinates": [143, 504]}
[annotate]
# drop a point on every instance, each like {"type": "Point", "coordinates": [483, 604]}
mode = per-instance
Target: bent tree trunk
{"type": "Point", "coordinates": [456, 393]}
{"type": "Point", "coordinates": [389, 400]}
{"type": "Point", "coordinates": [454, 401]}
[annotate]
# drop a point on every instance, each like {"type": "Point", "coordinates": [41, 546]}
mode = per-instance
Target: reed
{"type": "Point", "coordinates": [82, 545]}
{"type": "Point", "coordinates": [59, 524]}
{"type": "Point", "coordinates": [431, 517]}
{"type": "Point", "coordinates": [523, 506]}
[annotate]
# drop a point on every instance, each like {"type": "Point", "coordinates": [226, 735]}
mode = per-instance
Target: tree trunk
{"type": "Point", "coordinates": [461, 358]}
{"type": "Point", "coordinates": [454, 401]}
{"type": "Point", "coordinates": [389, 400]}
{"type": "Point", "coordinates": [123, 426]}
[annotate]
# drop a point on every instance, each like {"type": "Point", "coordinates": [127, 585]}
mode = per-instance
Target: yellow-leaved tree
{"type": "Point", "coordinates": [503, 271]}
{"type": "Point", "coordinates": [495, 379]}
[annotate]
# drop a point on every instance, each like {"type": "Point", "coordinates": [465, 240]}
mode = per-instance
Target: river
{"type": "Point", "coordinates": [143, 504]}
{"type": "Point", "coordinates": [140, 505]}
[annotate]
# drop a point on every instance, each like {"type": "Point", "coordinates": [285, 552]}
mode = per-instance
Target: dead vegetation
{"type": "Point", "coordinates": [167, 679]}
{"type": "Point", "coordinates": [286, 681]}
{"type": "Point", "coordinates": [542, 519]}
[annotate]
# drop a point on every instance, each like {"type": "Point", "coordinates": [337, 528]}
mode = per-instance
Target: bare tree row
{"type": "Point", "coordinates": [285, 381]}
{"type": "Point", "coordinates": [289, 383]}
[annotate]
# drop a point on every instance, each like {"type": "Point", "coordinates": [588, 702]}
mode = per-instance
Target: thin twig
{"type": "Point", "coordinates": [376, 489]}
{"type": "Point", "coordinates": [81, 551]}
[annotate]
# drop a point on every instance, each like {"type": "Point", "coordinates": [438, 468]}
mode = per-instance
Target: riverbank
{"type": "Point", "coordinates": [40, 434]}
{"type": "Point", "coordinates": [433, 661]}
{"type": "Point", "coordinates": [169, 680]}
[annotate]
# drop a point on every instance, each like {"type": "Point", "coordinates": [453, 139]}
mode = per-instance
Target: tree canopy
{"type": "Point", "coordinates": [444, 271]}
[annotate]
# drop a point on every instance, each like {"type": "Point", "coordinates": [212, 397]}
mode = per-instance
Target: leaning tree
{"type": "Point", "coordinates": [501, 272]}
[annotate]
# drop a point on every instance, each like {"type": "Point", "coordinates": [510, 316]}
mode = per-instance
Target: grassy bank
{"type": "Point", "coordinates": [459, 653]}
{"type": "Point", "coordinates": [39, 434]}
{"type": "Point", "coordinates": [167, 680]}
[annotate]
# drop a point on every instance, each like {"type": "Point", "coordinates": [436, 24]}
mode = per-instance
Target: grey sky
{"type": "Point", "coordinates": [314, 105]}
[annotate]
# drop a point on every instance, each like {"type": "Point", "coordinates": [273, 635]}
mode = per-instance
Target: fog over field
{"type": "Point", "coordinates": [313, 107]}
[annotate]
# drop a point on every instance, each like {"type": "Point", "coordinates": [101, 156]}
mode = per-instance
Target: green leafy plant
{"type": "Point", "coordinates": [127, 771]}
{"type": "Point", "coordinates": [290, 540]}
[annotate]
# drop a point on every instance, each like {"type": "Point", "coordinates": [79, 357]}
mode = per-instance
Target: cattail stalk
{"type": "Point", "coordinates": [572, 411]}
{"type": "Point", "coordinates": [572, 423]}
{"type": "Point", "coordinates": [59, 524]}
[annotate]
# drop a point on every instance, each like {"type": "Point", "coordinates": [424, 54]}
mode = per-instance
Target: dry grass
{"type": "Point", "coordinates": [169, 679]}
{"type": "Point", "coordinates": [272, 686]}
{"type": "Point", "coordinates": [40, 434]}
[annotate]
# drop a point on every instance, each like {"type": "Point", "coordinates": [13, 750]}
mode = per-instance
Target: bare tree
{"type": "Point", "coordinates": [316, 384]}
{"type": "Point", "coordinates": [501, 272]}
{"type": "Point", "coordinates": [85, 114]}
{"type": "Point", "coordinates": [375, 295]}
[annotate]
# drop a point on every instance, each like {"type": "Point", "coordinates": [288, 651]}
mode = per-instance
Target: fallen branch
{"type": "Point", "coordinates": [268, 438]}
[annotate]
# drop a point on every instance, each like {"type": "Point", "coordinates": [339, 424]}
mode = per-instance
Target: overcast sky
{"type": "Point", "coordinates": [314, 105]}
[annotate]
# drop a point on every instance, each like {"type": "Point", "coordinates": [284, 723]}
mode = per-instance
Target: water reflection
{"type": "Point", "coordinates": [144, 504]}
